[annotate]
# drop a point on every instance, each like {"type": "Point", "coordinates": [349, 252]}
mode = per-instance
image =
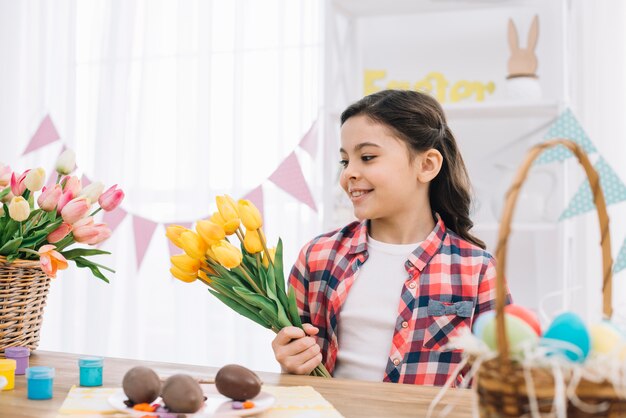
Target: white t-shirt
{"type": "Point", "coordinates": [369, 314]}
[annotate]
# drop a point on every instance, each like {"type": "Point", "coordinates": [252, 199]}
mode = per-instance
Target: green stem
{"type": "Point", "coordinates": [267, 253]}
{"type": "Point", "coordinates": [28, 251]}
{"type": "Point", "coordinates": [58, 178]}
{"type": "Point", "coordinates": [251, 281]}
{"type": "Point", "coordinates": [95, 211]}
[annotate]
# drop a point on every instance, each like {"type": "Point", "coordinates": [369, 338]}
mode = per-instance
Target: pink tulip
{"type": "Point", "coordinates": [71, 183]}
{"type": "Point", "coordinates": [111, 199]}
{"type": "Point", "coordinates": [18, 187]}
{"type": "Point", "coordinates": [59, 233]}
{"type": "Point", "coordinates": [87, 232]}
{"type": "Point", "coordinates": [49, 198]}
{"type": "Point", "coordinates": [75, 210]}
{"type": "Point", "coordinates": [64, 200]}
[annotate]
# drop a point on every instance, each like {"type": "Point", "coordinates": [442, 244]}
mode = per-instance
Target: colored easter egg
{"type": "Point", "coordinates": [525, 315]}
{"type": "Point", "coordinates": [479, 324]}
{"type": "Point", "coordinates": [605, 338]}
{"type": "Point", "coordinates": [518, 333]}
{"type": "Point", "coordinates": [568, 335]}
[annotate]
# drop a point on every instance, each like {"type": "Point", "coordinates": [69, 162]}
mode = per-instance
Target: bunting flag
{"type": "Point", "coordinates": [309, 140]}
{"type": "Point", "coordinates": [143, 229]}
{"type": "Point", "coordinates": [45, 134]}
{"type": "Point", "coordinates": [84, 181]}
{"type": "Point", "coordinates": [566, 126]}
{"type": "Point", "coordinates": [288, 176]}
{"type": "Point", "coordinates": [256, 197]}
{"type": "Point", "coordinates": [612, 187]}
{"type": "Point", "coordinates": [620, 264]}
{"type": "Point", "coordinates": [171, 247]}
{"type": "Point", "coordinates": [114, 218]}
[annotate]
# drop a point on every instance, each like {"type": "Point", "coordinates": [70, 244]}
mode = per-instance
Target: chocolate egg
{"type": "Point", "coordinates": [237, 382]}
{"type": "Point", "coordinates": [141, 385]}
{"type": "Point", "coordinates": [181, 393]}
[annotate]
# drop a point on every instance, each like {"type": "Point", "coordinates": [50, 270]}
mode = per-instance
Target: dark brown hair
{"type": "Point", "coordinates": [418, 119]}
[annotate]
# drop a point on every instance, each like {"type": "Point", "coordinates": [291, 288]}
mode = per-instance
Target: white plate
{"type": "Point", "coordinates": [215, 405]}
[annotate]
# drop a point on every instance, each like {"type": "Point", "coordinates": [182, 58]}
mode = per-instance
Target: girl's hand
{"type": "Point", "coordinates": [295, 349]}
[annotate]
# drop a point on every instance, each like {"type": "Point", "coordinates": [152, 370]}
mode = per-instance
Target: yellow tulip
{"type": "Point", "coordinates": [193, 245]}
{"type": "Point", "coordinates": [181, 275]}
{"type": "Point", "coordinates": [227, 254]}
{"type": "Point", "coordinates": [35, 179]}
{"type": "Point", "coordinates": [229, 227]}
{"type": "Point", "coordinates": [250, 216]}
{"type": "Point", "coordinates": [227, 208]}
{"type": "Point", "coordinates": [252, 242]}
{"type": "Point", "coordinates": [210, 232]}
{"type": "Point", "coordinates": [185, 263]}
{"type": "Point", "coordinates": [19, 209]}
{"type": "Point", "coordinates": [173, 233]}
{"type": "Point", "coordinates": [272, 254]}
{"type": "Point", "coordinates": [204, 276]}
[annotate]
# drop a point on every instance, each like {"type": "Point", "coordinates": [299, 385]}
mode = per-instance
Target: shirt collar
{"type": "Point", "coordinates": [419, 257]}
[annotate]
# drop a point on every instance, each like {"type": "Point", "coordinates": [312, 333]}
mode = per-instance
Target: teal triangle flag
{"type": "Point", "coordinates": [612, 187]}
{"type": "Point", "coordinates": [566, 126]}
{"type": "Point", "coordinates": [620, 264]}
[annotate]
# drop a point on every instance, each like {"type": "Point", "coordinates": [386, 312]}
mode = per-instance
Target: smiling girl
{"type": "Point", "coordinates": [381, 296]}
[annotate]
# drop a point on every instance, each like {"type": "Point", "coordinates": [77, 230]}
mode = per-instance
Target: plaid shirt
{"type": "Point", "coordinates": [451, 282]}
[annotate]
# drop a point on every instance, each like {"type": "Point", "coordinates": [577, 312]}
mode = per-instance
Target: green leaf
{"type": "Point", "coordinates": [293, 308]}
{"type": "Point", "coordinates": [84, 263]}
{"type": "Point", "coordinates": [11, 246]}
{"type": "Point", "coordinates": [5, 192]}
{"type": "Point", "coordinates": [278, 266]}
{"type": "Point", "coordinates": [241, 310]}
{"type": "Point", "coordinates": [80, 252]}
{"type": "Point", "coordinates": [10, 230]}
{"type": "Point", "coordinates": [258, 301]}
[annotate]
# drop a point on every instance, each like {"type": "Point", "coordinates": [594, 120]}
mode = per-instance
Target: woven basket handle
{"type": "Point", "coordinates": [505, 231]}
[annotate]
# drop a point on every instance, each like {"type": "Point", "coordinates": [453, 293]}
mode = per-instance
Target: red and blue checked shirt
{"type": "Point", "coordinates": [450, 282]}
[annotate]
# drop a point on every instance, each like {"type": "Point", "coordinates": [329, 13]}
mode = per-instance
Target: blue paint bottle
{"type": "Point", "coordinates": [90, 371]}
{"type": "Point", "coordinates": [39, 382]}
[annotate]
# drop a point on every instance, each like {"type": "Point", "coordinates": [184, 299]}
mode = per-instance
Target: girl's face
{"type": "Point", "coordinates": [378, 175]}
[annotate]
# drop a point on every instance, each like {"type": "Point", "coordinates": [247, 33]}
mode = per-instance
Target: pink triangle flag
{"type": "Point", "coordinates": [172, 248]}
{"type": "Point", "coordinates": [84, 181]}
{"type": "Point", "coordinates": [309, 140]}
{"type": "Point", "coordinates": [46, 134]}
{"type": "Point", "coordinates": [256, 197]}
{"type": "Point", "coordinates": [114, 218]}
{"type": "Point", "coordinates": [143, 229]}
{"type": "Point", "coordinates": [288, 176]}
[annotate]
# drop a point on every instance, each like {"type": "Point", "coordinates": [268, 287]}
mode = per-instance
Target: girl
{"type": "Point", "coordinates": [382, 296]}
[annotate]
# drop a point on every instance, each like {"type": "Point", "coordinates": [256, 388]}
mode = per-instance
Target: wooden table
{"type": "Point", "coordinates": [351, 398]}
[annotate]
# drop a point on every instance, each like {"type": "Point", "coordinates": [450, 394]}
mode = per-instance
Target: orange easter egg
{"type": "Point", "coordinates": [525, 315]}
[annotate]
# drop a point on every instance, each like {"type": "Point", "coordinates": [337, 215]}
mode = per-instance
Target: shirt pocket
{"type": "Point", "coordinates": [444, 320]}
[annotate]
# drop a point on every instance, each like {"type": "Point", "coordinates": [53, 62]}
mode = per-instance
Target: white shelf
{"type": "Point", "coordinates": [518, 226]}
{"type": "Point", "coordinates": [364, 8]}
{"type": "Point", "coordinates": [503, 109]}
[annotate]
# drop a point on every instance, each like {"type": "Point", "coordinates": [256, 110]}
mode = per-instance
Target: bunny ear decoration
{"type": "Point", "coordinates": [513, 38]}
{"type": "Point", "coordinates": [523, 61]}
{"type": "Point", "coordinates": [533, 34]}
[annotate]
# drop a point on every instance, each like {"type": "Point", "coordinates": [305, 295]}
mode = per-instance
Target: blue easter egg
{"type": "Point", "coordinates": [479, 324]}
{"type": "Point", "coordinates": [570, 329]}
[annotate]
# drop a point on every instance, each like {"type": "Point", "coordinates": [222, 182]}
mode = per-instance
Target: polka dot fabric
{"type": "Point", "coordinates": [620, 264]}
{"type": "Point", "coordinates": [566, 126]}
{"type": "Point", "coordinates": [612, 187]}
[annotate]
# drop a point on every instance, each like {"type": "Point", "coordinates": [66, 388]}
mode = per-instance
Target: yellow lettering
{"type": "Point", "coordinates": [369, 79]}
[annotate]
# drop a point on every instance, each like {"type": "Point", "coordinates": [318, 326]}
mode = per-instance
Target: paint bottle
{"type": "Point", "coordinates": [39, 382]}
{"type": "Point", "coordinates": [20, 355]}
{"type": "Point", "coordinates": [90, 371]}
{"type": "Point", "coordinates": [7, 370]}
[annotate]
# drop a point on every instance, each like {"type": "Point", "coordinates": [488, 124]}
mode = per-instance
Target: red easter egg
{"type": "Point", "coordinates": [525, 315]}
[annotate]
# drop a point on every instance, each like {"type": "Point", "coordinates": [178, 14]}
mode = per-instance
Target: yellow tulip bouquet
{"type": "Point", "coordinates": [249, 279]}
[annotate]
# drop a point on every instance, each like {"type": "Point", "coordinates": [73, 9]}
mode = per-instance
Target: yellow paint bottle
{"type": "Point", "coordinates": [7, 370]}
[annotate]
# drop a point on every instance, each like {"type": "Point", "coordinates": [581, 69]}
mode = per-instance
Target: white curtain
{"type": "Point", "coordinates": [597, 52]}
{"type": "Point", "coordinates": [176, 101]}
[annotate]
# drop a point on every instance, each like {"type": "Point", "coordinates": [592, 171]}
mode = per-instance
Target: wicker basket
{"type": "Point", "coordinates": [501, 385]}
{"type": "Point", "coordinates": [23, 291]}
